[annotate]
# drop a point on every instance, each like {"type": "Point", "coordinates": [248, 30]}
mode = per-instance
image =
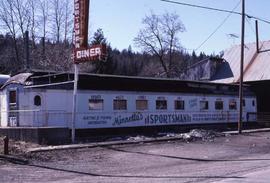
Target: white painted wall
{"type": "Point", "coordinates": [3, 105]}
{"type": "Point", "coordinates": [56, 109]}
{"type": "Point", "coordinates": [53, 109]}
{"type": "Point", "coordinates": [25, 109]}
{"type": "Point", "coordinates": [107, 117]}
{"type": "Point", "coordinates": [57, 103]}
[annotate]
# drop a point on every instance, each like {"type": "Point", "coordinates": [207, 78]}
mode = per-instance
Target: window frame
{"type": "Point", "coordinates": [97, 108]}
{"type": "Point", "coordinates": [119, 108]}
{"type": "Point", "coordinates": [137, 104]}
{"type": "Point", "coordinates": [206, 106]}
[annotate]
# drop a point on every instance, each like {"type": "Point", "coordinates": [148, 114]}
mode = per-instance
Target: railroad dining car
{"type": "Point", "coordinates": [40, 99]}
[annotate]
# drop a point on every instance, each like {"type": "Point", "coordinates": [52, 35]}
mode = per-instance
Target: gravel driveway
{"type": "Point", "coordinates": [212, 160]}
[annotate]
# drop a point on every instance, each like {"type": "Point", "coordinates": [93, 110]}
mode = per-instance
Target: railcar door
{"type": "Point", "coordinates": [13, 108]}
{"type": "Point", "coordinates": [40, 118]}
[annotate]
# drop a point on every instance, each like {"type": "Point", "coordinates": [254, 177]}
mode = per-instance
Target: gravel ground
{"type": "Point", "coordinates": [17, 147]}
{"type": "Point", "coordinates": [196, 160]}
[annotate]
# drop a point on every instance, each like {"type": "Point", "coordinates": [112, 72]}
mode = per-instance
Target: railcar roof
{"type": "Point", "coordinates": [53, 80]}
{"type": "Point", "coordinates": [3, 79]}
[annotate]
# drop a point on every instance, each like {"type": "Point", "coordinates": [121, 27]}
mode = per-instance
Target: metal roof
{"type": "Point", "coordinates": [18, 79]}
{"type": "Point", "coordinates": [64, 81]}
{"type": "Point", "coordinates": [3, 79]}
{"type": "Point", "coordinates": [124, 83]}
{"type": "Point", "coordinates": [256, 65]}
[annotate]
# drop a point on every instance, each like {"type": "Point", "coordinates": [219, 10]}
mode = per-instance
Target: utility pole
{"type": "Point", "coordinates": [43, 47]}
{"type": "Point", "coordinates": [241, 68]}
{"type": "Point", "coordinates": [74, 107]}
{"type": "Point", "coordinates": [27, 58]}
{"type": "Point", "coordinates": [257, 36]}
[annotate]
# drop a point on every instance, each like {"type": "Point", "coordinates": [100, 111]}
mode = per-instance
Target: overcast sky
{"type": "Point", "coordinates": [121, 21]}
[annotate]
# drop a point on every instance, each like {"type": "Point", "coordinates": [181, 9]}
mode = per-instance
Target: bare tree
{"type": "Point", "coordinates": [8, 19]}
{"type": "Point", "coordinates": [33, 20]}
{"type": "Point", "coordinates": [68, 17]}
{"type": "Point", "coordinates": [39, 17]}
{"type": "Point", "coordinates": [159, 37]}
{"type": "Point", "coordinates": [22, 15]}
{"type": "Point", "coordinates": [58, 18]}
{"type": "Point", "coordinates": [44, 15]}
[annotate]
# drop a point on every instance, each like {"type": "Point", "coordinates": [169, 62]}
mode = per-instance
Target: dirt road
{"type": "Point", "coordinates": [230, 157]}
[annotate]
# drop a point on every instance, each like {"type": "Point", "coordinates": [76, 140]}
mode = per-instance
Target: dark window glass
{"type": "Point", "coordinates": [232, 105]}
{"type": "Point", "coordinates": [13, 97]}
{"type": "Point", "coordinates": [204, 105]}
{"type": "Point", "coordinates": [161, 104]}
{"type": "Point", "coordinates": [37, 100]}
{"type": "Point", "coordinates": [253, 103]}
{"type": "Point", "coordinates": [119, 104]}
{"type": "Point", "coordinates": [179, 105]}
{"type": "Point", "coordinates": [219, 105]}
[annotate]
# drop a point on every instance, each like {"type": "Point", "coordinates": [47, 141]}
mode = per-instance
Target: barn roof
{"type": "Point", "coordinates": [256, 65]}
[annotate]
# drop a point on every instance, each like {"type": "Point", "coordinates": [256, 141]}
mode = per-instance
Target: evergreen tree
{"type": "Point", "coordinates": [99, 38]}
{"type": "Point", "coordinates": [101, 66]}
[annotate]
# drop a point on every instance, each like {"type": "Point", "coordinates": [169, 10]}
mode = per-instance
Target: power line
{"type": "Point", "coordinates": [219, 26]}
{"type": "Point", "coordinates": [214, 9]}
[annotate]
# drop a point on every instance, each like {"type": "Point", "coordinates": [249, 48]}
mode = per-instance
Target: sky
{"type": "Point", "coordinates": [121, 21]}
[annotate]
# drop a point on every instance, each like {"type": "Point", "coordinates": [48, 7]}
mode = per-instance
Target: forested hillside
{"type": "Point", "coordinates": [50, 23]}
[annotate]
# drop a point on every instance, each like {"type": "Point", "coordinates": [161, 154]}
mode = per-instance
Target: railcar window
{"type": "Point", "coordinates": [232, 105]}
{"type": "Point", "coordinates": [119, 104]}
{"type": "Point", "coordinates": [96, 104]}
{"type": "Point", "coordinates": [244, 102]}
{"type": "Point", "coordinates": [219, 105]}
{"type": "Point", "coordinates": [37, 100]}
{"type": "Point", "coordinates": [179, 105]}
{"type": "Point", "coordinates": [253, 103]}
{"type": "Point", "coordinates": [12, 97]}
{"type": "Point", "coordinates": [204, 105]}
{"type": "Point", "coordinates": [141, 104]}
{"type": "Point", "coordinates": [161, 104]}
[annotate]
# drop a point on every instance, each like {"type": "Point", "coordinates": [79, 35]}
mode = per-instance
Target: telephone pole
{"type": "Point", "coordinates": [26, 50]}
{"type": "Point", "coordinates": [241, 68]}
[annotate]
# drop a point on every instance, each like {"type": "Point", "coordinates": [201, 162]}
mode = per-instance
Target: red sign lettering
{"type": "Point", "coordinates": [81, 51]}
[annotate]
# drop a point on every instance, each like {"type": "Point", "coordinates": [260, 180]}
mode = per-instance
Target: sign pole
{"type": "Point", "coordinates": [74, 108]}
{"type": "Point", "coordinates": [81, 51]}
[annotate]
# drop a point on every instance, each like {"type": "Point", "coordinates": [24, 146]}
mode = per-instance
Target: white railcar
{"type": "Point", "coordinates": [45, 100]}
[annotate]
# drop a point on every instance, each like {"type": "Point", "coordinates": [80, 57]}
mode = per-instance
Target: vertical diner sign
{"type": "Point", "coordinates": [83, 53]}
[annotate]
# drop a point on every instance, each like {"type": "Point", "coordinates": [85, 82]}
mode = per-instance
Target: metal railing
{"type": "Point", "coordinates": [261, 117]}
